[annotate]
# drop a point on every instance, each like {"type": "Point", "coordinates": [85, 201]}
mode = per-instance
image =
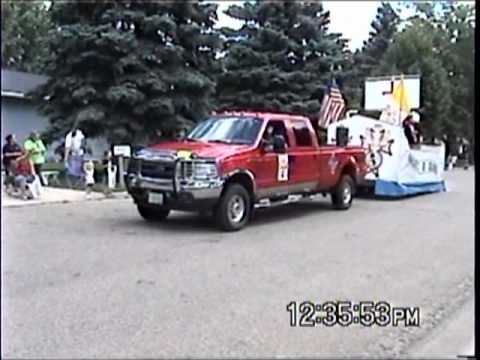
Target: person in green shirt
{"type": "Point", "coordinates": [37, 152]}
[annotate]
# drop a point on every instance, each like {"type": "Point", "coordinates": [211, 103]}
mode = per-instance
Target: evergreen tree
{"type": "Point", "coordinates": [367, 59]}
{"type": "Point", "coordinates": [129, 69]}
{"type": "Point", "coordinates": [281, 59]}
{"type": "Point", "coordinates": [25, 25]}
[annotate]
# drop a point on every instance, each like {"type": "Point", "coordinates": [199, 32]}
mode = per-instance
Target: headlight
{"type": "Point", "coordinates": [204, 171]}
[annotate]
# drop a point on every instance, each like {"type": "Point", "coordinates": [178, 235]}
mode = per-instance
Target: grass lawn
{"type": "Point", "coordinates": [62, 180]}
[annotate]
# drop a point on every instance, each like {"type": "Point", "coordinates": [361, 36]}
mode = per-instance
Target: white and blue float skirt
{"type": "Point", "coordinates": [396, 189]}
{"type": "Point", "coordinates": [416, 171]}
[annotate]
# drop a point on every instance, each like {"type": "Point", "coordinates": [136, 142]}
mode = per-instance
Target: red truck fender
{"type": "Point", "coordinates": [352, 168]}
{"type": "Point", "coordinates": [244, 177]}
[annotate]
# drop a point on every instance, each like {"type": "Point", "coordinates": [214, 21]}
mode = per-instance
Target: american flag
{"type": "Point", "coordinates": [332, 106]}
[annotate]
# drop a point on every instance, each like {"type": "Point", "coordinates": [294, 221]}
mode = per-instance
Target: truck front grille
{"type": "Point", "coordinates": [157, 170]}
{"type": "Point", "coordinates": [186, 169]}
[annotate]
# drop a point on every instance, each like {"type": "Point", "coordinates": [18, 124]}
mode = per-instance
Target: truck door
{"type": "Point", "coordinates": [270, 182]}
{"type": "Point", "coordinates": [305, 172]}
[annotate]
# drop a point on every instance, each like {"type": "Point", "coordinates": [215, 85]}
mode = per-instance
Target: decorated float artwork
{"type": "Point", "coordinates": [395, 167]}
{"type": "Point", "coordinates": [377, 142]}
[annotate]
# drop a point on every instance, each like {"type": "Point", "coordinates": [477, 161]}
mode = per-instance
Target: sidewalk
{"type": "Point", "coordinates": [54, 195]}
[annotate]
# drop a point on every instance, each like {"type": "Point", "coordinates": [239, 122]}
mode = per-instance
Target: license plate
{"type": "Point", "coordinates": [155, 198]}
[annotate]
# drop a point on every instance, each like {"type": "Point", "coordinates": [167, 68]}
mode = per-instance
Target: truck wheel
{"type": "Point", "coordinates": [233, 210]}
{"type": "Point", "coordinates": [152, 214]}
{"type": "Point", "coordinates": [342, 196]}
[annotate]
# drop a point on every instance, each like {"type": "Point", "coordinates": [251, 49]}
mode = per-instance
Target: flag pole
{"type": "Point", "coordinates": [401, 99]}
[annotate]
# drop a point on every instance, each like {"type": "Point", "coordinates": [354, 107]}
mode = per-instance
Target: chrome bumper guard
{"type": "Point", "coordinates": [198, 189]}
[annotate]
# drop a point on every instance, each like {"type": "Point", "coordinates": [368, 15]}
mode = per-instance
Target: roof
{"type": "Point", "coordinates": [18, 84]}
{"type": "Point", "coordinates": [263, 115]}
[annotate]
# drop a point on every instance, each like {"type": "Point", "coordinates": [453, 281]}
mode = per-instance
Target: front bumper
{"type": "Point", "coordinates": [178, 195]}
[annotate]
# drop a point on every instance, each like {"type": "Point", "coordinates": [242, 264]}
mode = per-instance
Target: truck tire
{"type": "Point", "coordinates": [342, 196]}
{"type": "Point", "coordinates": [152, 214]}
{"type": "Point", "coordinates": [233, 210]}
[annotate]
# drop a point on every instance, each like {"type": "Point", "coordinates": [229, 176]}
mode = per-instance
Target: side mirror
{"type": "Point", "coordinates": [279, 144]}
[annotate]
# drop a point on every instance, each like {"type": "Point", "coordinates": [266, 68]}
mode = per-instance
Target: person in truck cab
{"type": "Point", "coordinates": [268, 136]}
{"type": "Point", "coordinates": [271, 132]}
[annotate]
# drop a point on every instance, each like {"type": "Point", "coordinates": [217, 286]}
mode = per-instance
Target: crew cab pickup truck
{"type": "Point", "coordinates": [234, 162]}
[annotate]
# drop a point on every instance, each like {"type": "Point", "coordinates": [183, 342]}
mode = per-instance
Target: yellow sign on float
{"type": "Point", "coordinates": [401, 97]}
{"type": "Point", "coordinates": [184, 154]}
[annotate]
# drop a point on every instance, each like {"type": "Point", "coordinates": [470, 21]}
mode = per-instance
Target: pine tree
{"type": "Point", "coordinates": [281, 59]}
{"type": "Point", "coordinates": [366, 60]}
{"type": "Point", "coordinates": [25, 26]}
{"type": "Point", "coordinates": [129, 69]}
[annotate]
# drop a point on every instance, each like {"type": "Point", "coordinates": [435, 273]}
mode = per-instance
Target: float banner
{"type": "Point", "coordinates": [420, 171]}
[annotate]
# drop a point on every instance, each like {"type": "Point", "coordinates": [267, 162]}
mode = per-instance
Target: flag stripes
{"type": "Point", "coordinates": [332, 107]}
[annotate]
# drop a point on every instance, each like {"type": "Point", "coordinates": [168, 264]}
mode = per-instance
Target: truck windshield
{"type": "Point", "coordinates": [230, 130]}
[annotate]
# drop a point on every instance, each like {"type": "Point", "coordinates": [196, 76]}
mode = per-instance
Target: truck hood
{"type": "Point", "coordinates": [202, 149]}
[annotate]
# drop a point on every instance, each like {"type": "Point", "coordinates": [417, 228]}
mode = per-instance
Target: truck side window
{"type": "Point", "coordinates": [275, 127]}
{"type": "Point", "coordinates": [302, 133]}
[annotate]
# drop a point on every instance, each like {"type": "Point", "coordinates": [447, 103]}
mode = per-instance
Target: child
{"type": "Point", "coordinates": [89, 170]}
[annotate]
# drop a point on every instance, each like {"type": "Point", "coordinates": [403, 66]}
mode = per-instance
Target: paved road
{"type": "Point", "coordinates": [93, 280]}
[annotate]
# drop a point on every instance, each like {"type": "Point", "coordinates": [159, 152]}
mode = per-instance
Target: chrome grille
{"type": "Point", "coordinates": [186, 169]}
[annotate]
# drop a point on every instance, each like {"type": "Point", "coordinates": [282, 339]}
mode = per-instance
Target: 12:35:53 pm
{"type": "Point", "coordinates": [346, 313]}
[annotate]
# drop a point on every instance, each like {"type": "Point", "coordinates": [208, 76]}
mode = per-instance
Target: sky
{"type": "Point", "coordinates": [351, 18]}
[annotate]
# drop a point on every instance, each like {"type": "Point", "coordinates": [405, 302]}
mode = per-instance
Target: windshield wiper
{"type": "Point", "coordinates": [220, 141]}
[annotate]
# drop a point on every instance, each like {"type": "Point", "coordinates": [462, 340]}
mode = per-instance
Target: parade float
{"type": "Point", "coordinates": [395, 167]}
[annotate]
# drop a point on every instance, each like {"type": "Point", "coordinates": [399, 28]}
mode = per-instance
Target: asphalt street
{"type": "Point", "coordinates": [92, 279]}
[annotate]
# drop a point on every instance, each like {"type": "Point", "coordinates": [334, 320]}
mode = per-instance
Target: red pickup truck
{"type": "Point", "coordinates": [234, 162]}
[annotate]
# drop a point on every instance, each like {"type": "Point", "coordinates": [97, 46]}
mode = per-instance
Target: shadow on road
{"type": "Point", "coordinates": [373, 197]}
{"type": "Point", "coordinates": [194, 223]}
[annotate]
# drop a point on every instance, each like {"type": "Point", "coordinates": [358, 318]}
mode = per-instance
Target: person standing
{"type": "Point", "coordinates": [11, 151]}
{"type": "Point", "coordinates": [36, 151]}
{"type": "Point", "coordinates": [447, 150]}
{"type": "Point", "coordinates": [466, 153]}
{"type": "Point", "coordinates": [109, 173]}
{"type": "Point", "coordinates": [409, 130]}
{"type": "Point", "coordinates": [74, 154]}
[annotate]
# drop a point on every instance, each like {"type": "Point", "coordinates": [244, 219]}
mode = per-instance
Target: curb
{"type": "Point", "coordinates": [28, 204]}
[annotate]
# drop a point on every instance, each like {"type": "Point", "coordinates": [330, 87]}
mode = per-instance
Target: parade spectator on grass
{"type": "Point", "coordinates": [74, 155]}
{"type": "Point", "coordinates": [464, 151]}
{"type": "Point", "coordinates": [26, 179]}
{"type": "Point", "coordinates": [37, 152]}
{"type": "Point", "coordinates": [447, 150]}
{"type": "Point", "coordinates": [10, 152]}
{"type": "Point", "coordinates": [108, 167]}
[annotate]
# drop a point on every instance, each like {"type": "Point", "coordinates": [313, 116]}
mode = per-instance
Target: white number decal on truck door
{"type": "Point", "coordinates": [282, 167]}
{"type": "Point", "coordinates": [333, 163]}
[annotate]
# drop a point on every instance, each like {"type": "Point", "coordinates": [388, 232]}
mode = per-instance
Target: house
{"type": "Point", "coordinates": [20, 116]}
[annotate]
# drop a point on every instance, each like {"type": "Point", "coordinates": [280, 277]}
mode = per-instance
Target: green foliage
{"type": "Point", "coordinates": [281, 59]}
{"type": "Point", "coordinates": [25, 25]}
{"type": "Point", "coordinates": [438, 44]}
{"type": "Point", "coordinates": [128, 69]}
{"type": "Point", "coordinates": [367, 59]}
